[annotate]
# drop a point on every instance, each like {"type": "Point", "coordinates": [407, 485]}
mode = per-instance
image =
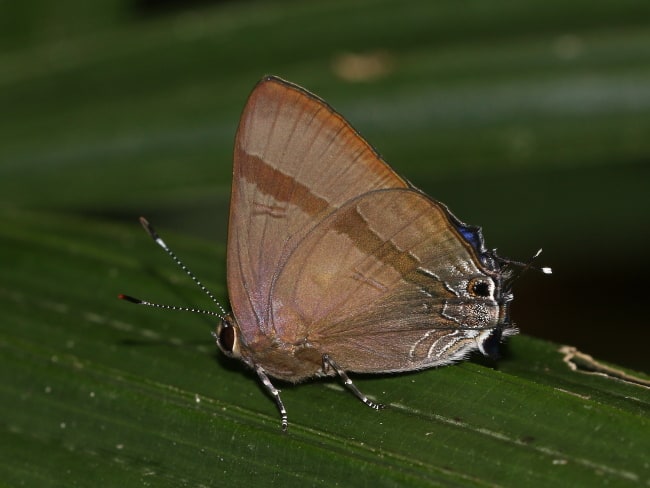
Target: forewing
{"type": "Point", "coordinates": [296, 160]}
{"type": "Point", "coordinates": [381, 285]}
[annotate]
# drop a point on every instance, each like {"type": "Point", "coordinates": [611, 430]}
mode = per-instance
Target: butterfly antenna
{"type": "Point", "coordinates": [157, 239]}
{"type": "Point", "coordinates": [138, 301]}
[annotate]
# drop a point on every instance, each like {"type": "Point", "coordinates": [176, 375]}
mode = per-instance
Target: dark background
{"type": "Point", "coordinates": [531, 119]}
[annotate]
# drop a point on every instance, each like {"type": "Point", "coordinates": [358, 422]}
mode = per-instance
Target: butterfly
{"type": "Point", "coordinates": [336, 264]}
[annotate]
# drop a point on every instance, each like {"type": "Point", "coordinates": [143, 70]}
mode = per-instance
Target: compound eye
{"type": "Point", "coordinates": [227, 338]}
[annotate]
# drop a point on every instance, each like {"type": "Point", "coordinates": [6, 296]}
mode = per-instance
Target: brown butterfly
{"type": "Point", "coordinates": [337, 264]}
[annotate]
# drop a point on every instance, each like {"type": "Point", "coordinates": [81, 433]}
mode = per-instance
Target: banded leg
{"type": "Point", "coordinates": [329, 363]}
{"type": "Point", "coordinates": [276, 395]}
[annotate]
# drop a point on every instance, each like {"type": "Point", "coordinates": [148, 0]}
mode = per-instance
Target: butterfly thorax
{"type": "Point", "coordinates": [287, 361]}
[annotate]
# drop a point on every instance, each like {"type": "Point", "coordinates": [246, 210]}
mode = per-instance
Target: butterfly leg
{"type": "Point", "coordinates": [329, 363]}
{"type": "Point", "coordinates": [276, 395]}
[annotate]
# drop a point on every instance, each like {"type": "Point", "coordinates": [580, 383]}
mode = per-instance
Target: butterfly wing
{"type": "Point", "coordinates": [383, 284]}
{"type": "Point", "coordinates": [296, 160]}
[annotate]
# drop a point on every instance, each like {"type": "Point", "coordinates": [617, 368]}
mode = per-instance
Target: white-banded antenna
{"type": "Point", "coordinates": [157, 239]}
{"type": "Point", "coordinates": [138, 301]}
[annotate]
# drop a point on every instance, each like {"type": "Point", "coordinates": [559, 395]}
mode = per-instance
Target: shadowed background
{"type": "Point", "coordinates": [531, 119]}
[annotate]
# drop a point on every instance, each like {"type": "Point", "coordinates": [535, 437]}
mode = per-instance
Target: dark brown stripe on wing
{"type": "Point", "coordinates": [283, 188]}
{"type": "Point", "coordinates": [353, 224]}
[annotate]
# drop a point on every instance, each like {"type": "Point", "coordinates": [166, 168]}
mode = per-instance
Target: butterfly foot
{"type": "Point", "coordinates": [275, 393]}
{"type": "Point", "coordinates": [328, 362]}
{"type": "Point", "coordinates": [375, 406]}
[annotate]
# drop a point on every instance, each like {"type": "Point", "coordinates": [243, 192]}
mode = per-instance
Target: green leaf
{"type": "Point", "coordinates": [97, 391]}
